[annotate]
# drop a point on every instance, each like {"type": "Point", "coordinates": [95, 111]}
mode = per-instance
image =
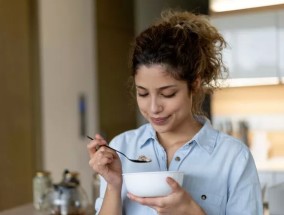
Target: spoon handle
{"type": "Point", "coordinates": [133, 160]}
{"type": "Point", "coordinates": [111, 148]}
{"type": "Point", "coordinates": [117, 151]}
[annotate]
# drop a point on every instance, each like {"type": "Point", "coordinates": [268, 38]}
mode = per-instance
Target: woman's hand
{"type": "Point", "coordinates": [105, 161]}
{"type": "Point", "coordinates": [179, 202]}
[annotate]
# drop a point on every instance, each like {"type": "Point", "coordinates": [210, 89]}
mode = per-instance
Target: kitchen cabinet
{"type": "Point", "coordinates": [281, 44]}
{"type": "Point", "coordinates": [253, 49]}
{"type": "Point", "coordinates": [20, 113]}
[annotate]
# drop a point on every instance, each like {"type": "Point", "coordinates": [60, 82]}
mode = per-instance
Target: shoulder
{"type": "Point", "coordinates": [230, 140]}
{"type": "Point", "coordinates": [232, 146]}
{"type": "Point", "coordinates": [237, 159]}
{"type": "Point", "coordinates": [218, 143]}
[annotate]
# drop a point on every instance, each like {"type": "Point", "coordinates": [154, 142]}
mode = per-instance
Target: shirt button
{"type": "Point", "coordinates": [203, 197]}
{"type": "Point", "coordinates": [177, 158]}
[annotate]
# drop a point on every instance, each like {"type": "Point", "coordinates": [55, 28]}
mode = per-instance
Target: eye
{"type": "Point", "coordinates": [142, 94]}
{"type": "Point", "coordinates": [169, 95]}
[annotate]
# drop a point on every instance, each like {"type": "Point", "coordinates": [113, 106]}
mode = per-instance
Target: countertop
{"type": "Point", "coordinates": [28, 209]}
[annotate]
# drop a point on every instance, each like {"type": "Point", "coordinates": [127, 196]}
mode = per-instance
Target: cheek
{"type": "Point", "coordinates": [180, 106]}
{"type": "Point", "coordinates": [141, 104]}
{"type": "Point", "coordinates": [173, 107]}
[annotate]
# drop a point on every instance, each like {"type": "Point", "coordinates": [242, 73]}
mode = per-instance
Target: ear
{"type": "Point", "coordinates": [197, 84]}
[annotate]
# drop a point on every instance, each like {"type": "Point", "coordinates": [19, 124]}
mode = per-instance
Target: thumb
{"type": "Point", "coordinates": [173, 184]}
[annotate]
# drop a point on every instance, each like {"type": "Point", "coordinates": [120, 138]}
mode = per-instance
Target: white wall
{"type": "Point", "coordinates": [67, 70]}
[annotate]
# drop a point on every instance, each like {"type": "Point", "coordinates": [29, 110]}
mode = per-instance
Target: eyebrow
{"type": "Point", "coordinates": [160, 88]}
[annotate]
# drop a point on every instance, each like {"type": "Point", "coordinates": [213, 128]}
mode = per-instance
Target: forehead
{"type": "Point", "coordinates": [158, 73]}
{"type": "Point", "coordinates": [157, 77]}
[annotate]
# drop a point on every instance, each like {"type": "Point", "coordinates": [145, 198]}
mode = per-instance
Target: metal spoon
{"type": "Point", "coordinates": [147, 160]}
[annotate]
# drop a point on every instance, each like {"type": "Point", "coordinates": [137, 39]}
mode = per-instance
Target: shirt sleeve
{"type": "Point", "coordinates": [244, 192]}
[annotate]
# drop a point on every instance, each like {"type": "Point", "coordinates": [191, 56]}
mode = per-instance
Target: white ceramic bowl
{"type": "Point", "coordinates": [151, 184]}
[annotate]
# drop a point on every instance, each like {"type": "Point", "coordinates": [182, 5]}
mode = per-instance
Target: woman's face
{"type": "Point", "coordinates": [164, 101]}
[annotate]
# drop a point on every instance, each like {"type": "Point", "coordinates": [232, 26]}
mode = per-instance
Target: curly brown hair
{"type": "Point", "coordinates": [187, 44]}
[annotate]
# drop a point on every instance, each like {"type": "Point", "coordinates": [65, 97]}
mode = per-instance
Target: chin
{"type": "Point", "coordinates": [161, 129]}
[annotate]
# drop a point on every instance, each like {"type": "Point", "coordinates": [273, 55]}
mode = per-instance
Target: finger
{"type": "Point", "coordinates": [101, 159]}
{"type": "Point", "coordinates": [99, 137]}
{"type": "Point", "coordinates": [91, 148]}
{"type": "Point", "coordinates": [95, 141]}
{"type": "Point", "coordinates": [100, 167]}
{"type": "Point", "coordinates": [105, 152]}
{"type": "Point", "coordinates": [173, 184]}
{"type": "Point", "coordinates": [94, 145]}
{"type": "Point", "coordinates": [103, 149]}
{"type": "Point", "coordinates": [104, 162]}
{"type": "Point", "coordinates": [151, 202]}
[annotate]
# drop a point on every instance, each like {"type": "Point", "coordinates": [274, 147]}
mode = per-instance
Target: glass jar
{"type": "Point", "coordinates": [42, 184]}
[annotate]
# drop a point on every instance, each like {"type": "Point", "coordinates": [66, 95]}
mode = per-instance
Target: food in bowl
{"type": "Point", "coordinates": [151, 184]}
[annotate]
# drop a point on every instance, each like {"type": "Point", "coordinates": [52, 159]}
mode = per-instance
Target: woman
{"type": "Point", "coordinates": [174, 62]}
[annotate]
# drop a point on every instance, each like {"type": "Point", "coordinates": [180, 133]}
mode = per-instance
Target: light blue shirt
{"type": "Point", "coordinates": [220, 173]}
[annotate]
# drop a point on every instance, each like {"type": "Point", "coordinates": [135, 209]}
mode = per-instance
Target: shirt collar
{"type": "Point", "coordinates": [149, 133]}
{"type": "Point", "coordinates": [206, 137]}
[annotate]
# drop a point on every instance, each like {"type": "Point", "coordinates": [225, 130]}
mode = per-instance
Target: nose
{"type": "Point", "coordinates": [156, 106]}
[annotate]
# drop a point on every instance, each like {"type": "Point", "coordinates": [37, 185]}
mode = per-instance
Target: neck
{"type": "Point", "coordinates": [172, 141]}
{"type": "Point", "coordinates": [180, 136]}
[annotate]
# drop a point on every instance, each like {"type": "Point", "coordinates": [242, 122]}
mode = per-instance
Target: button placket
{"type": "Point", "coordinates": [161, 155]}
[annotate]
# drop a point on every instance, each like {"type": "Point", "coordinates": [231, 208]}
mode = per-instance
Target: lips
{"type": "Point", "coordinates": [159, 120]}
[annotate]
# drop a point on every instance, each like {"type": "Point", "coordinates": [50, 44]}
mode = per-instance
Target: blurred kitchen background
{"type": "Point", "coordinates": [64, 71]}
